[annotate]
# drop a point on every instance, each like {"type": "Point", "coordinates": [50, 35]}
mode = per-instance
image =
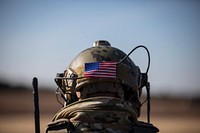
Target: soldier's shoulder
{"type": "Point", "coordinates": [143, 127]}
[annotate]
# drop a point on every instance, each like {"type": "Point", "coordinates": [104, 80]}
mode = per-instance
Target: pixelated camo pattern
{"type": "Point", "coordinates": [99, 115]}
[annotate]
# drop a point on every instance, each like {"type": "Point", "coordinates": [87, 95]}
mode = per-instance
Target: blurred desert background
{"type": "Point", "coordinates": [41, 38]}
{"type": "Point", "coordinates": [169, 114]}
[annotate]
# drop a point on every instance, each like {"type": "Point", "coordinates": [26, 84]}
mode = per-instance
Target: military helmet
{"type": "Point", "coordinates": [127, 73]}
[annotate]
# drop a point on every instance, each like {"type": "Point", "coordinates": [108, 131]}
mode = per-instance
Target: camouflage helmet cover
{"type": "Point", "coordinates": [127, 72]}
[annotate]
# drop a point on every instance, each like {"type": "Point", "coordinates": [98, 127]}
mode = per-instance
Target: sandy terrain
{"type": "Point", "coordinates": [169, 115]}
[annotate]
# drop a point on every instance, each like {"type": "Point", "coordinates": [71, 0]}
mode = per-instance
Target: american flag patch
{"type": "Point", "coordinates": [100, 70]}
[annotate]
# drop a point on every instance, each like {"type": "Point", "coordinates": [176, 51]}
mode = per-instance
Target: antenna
{"type": "Point", "coordinates": [144, 78]}
{"type": "Point", "coordinates": [36, 105]}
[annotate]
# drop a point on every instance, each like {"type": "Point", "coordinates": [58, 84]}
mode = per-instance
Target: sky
{"type": "Point", "coordinates": [41, 38]}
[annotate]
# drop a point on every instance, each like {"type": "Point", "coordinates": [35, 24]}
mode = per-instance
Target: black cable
{"type": "Point", "coordinates": [139, 46]}
{"type": "Point", "coordinates": [146, 83]}
{"type": "Point", "coordinates": [148, 102]}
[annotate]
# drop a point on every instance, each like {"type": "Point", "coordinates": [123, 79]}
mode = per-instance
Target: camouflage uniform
{"type": "Point", "coordinates": [101, 115]}
{"type": "Point", "coordinates": [102, 105]}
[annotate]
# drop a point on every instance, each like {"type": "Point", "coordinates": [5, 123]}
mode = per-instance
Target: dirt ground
{"type": "Point", "coordinates": [169, 115]}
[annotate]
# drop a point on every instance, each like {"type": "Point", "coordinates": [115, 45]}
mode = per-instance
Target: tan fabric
{"type": "Point", "coordinates": [101, 89]}
{"type": "Point", "coordinates": [106, 114]}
